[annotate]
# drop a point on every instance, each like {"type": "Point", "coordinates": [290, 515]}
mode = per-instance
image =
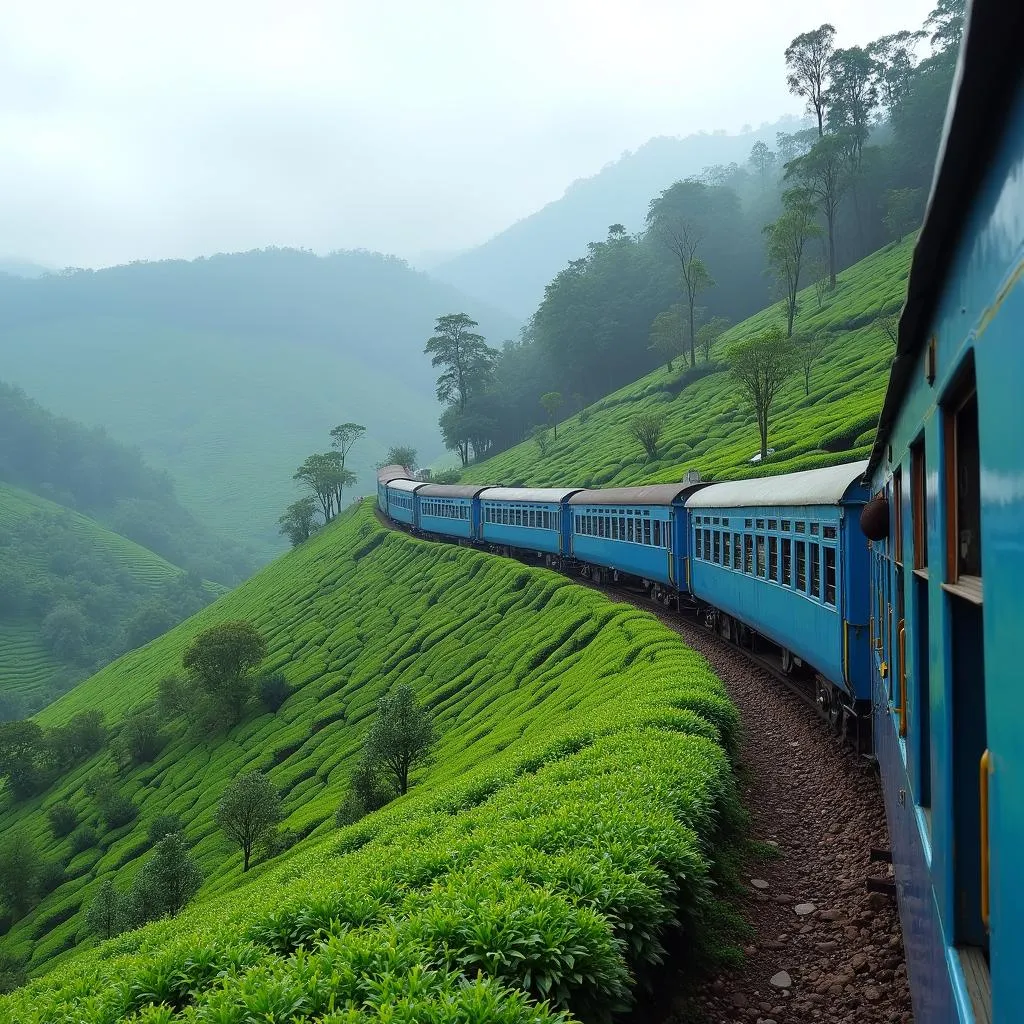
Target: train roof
{"type": "Point", "coordinates": [406, 485]}
{"type": "Point", "coordinates": [388, 473]}
{"type": "Point", "coordinates": [811, 487]}
{"type": "Point", "coordinates": [988, 76]}
{"type": "Point", "coordinates": [451, 490]}
{"type": "Point", "coordinates": [649, 494]}
{"type": "Point", "coordinates": [545, 494]}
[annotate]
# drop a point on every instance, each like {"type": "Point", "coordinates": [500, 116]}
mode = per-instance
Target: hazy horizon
{"type": "Point", "coordinates": [342, 126]}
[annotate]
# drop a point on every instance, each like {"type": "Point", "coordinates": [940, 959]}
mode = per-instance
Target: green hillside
{"type": "Point", "coordinates": [707, 425]}
{"type": "Point", "coordinates": [574, 807]}
{"type": "Point", "coordinates": [53, 558]}
{"type": "Point", "coordinates": [227, 372]}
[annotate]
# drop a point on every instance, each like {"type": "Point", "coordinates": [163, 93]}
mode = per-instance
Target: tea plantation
{"type": "Point", "coordinates": [579, 809]}
{"type": "Point", "coordinates": [707, 425]}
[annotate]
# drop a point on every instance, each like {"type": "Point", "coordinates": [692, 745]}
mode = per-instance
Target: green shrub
{"type": "Point", "coordinates": [63, 819]}
{"type": "Point", "coordinates": [51, 875]}
{"type": "Point", "coordinates": [82, 839]}
{"type": "Point", "coordinates": [117, 810]}
{"type": "Point", "coordinates": [163, 825]}
{"type": "Point", "coordinates": [273, 690]}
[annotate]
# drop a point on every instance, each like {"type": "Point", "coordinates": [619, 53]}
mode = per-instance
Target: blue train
{"type": "Point", "coordinates": [869, 576]}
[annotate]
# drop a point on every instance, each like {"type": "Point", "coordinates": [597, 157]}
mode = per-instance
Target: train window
{"type": "Point", "coordinates": [963, 493]}
{"type": "Point", "coordinates": [762, 563]}
{"type": "Point", "coordinates": [829, 533]}
{"type": "Point", "coordinates": [773, 558]}
{"type": "Point", "coordinates": [787, 562]}
{"type": "Point", "coordinates": [725, 521]}
{"type": "Point", "coordinates": [622, 527]}
{"type": "Point", "coordinates": [726, 551]}
{"type": "Point", "coordinates": [801, 527]}
{"type": "Point", "coordinates": [801, 566]}
{"type": "Point", "coordinates": [786, 525]}
{"type": "Point", "coordinates": [707, 545]}
{"type": "Point", "coordinates": [629, 530]}
{"type": "Point", "coordinates": [615, 527]}
{"type": "Point", "coordinates": [917, 505]}
{"type": "Point", "coordinates": [748, 522]}
{"type": "Point", "coordinates": [718, 547]}
{"type": "Point", "coordinates": [760, 524]}
{"type": "Point", "coordinates": [773, 524]}
{"type": "Point", "coordinates": [897, 516]}
{"type": "Point", "coordinates": [748, 554]}
{"type": "Point", "coordinates": [657, 533]}
{"type": "Point", "coordinates": [814, 529]}
{"type": "Point", "coordinates": [830, 576]}
{"type": "Point", "coordinates": [815, 571]}
{"type": "Point", "coordinates": [737, 545]}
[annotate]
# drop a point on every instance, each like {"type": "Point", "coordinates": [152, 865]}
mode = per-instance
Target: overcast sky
{"type": "Point", "coordinates": [145, 129]}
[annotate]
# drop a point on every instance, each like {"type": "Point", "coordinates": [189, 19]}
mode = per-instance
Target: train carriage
{"type": "Point", "coordinates": [784, 556]}
{"type": "Point", "coordinates": [633, 530]}
{"type": "Point", "coordinates": [384, 476]}
{"type": "Point", "coordinates": [527, 518]}
{"type": "Point", "coordinates": [449, 509]}
{"type": "Point", "coordinates": [947, 472]}
{"type": "Point", "coordinates": [401, 499]}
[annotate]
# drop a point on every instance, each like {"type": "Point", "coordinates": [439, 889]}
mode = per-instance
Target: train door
{"type": "Point", "coordinates": [965, 653]}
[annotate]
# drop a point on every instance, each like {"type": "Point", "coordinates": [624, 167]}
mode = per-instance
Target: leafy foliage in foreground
{"type": "Point", "coordinates": [708, 424]}
{"type": "Point", "coordinates": [580, 791]}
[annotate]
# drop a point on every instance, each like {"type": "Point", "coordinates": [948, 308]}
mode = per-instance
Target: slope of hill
{"type": "Point", "coordinates": [511, 270]}
{"type": "Point", "coordinates": [228, 371]}
{"type": "Point", "coordinates": [579, 796]}
{"type": "Point", "coordinates": [708, 426]}
{"type": "Point", "coordinates": [73, 595]}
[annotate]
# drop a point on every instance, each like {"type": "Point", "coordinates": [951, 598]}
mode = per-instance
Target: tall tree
{"type": "Point", "coordinates": [807, 63]}
{"type": "Point", "coordinates": [344, 436]}
{"type": "Point", "coordinates": [248, 811]}
{"type": "Point", "coordinates": [22, 748]}
{"type": "Point", "coordinates": [668, 334]}
{"type": "Point", "coordinates": [785, 240]}
{"type": "Point", "coordinates": [895, 61]}
{"type": "Point", "coordinates": [402, 735]}
{"type": "Point", "coordinates": [946, 22]}
{"type": "Point", "coordinates": [808, 350]}
{"type": "Point", "coordinates": [851, 97]}
{"type": "Point", "coordinates": [322, 474]}
{"type": "Point", "coordinates": [220, 661]}
{"type": "Point", "coordinates": [760, 366]}
{"type": "Point", "coordinates": [467, 360]}
{"type": "Point", "coordinates": [647, 428]}
{"type": "Point", "coordinates": [105, 914]}
{"type": "Point", "coordinates": [823, 173]}
{"type": "Point", "coordinates": [679, 219]}
{"type": "Point", "coordinates": [552, 402]}
{"type": "Point", "coordinates": [710, 332]}
{"type": "Point", "coordinates": [762, 159]}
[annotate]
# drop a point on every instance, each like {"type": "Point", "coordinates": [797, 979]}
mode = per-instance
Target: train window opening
{"type": "Point", "coordinates": [922, 692]}
{"type": "Point", "coordinates": [717, 521]}
{"type": "Point", "coordinates": [726, 551]}
{"type": "Point", "coordinates": [801, 566]}
{"type": "Point", "coordinates": [707, 545]}
{"type": "Point", "coordinates": [829, 533]}
{"type": "Point", "coordinates": [801, 527]}
{"type": "Point", "coordinates": [787, 562]}
{"type": "Point", "coordinates": [762, 562]}
{"type": "Point", "coordinates": [919, 526]}
{"type": "Point", "coordinates": [963, 493]}
{"type": "Point", "coordinates": [814, 529]}
{"type": "Point", "coordinates": [830, 576]}
{"type": "Point", "coordinates": [773, 558]}
{"type": "Point", "coordinates": [815, 571]}
{"type": "Point", "coordinates": [748, 523]}
{"type": "Point", "coordinates": [737, 545]}
{"type": "Point", "coordinates": [748, 554]}
{"type": "Point", "coordinates": [657, 533]}
{"type": "Point", "coordinates": [622, 527]}
{"type": "Point", "coordinates": [615, 527]}
{"type": "Point", "coordinates": [773, 524]}
{"type": "Point", "coordinates": [760, 524]}
{"type": "Point", "coordinates": [647, 531]}
{"type": "Point", "coordinates": [786, 525]}
{"type": "Point", "coordinates": [718, 547]}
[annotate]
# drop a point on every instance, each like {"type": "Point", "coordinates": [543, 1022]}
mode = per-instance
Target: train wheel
{"type": "Point", "coordinates": [788, 662]}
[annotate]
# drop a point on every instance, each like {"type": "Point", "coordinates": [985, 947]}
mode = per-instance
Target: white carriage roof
{"type": "Point", "coordinates": [451, 490]}
{"type": "Point", "coordinates": [648, 494]}
{"type": "Point", "coordinates": [547, 494]}
{"type": "Point", "coordinates": [406, 485]}
{"type": "Point", "coordinates": [812, 487]}
{"type": "Point", "coordinates": [392, 472]}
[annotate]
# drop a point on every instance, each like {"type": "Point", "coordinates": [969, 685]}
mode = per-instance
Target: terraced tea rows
{"type": "Point", "coordinates": [575, 801]}
{"type": "Point", "coordinates": [708, 426]}
{"type": "Point", "coordinates": [26, 668]}
{"type": "Point", "coordinates": [18, 507]}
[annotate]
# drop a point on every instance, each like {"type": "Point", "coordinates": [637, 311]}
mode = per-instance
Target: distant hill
{"type": "Point", "coordinates": [707, 424]}
{"type": "Point", "coordinates": [511, 270]}
{"type": "Point", "coordinates": [22, 268]}
{"type": "Point", "coordinates": [228, 371]}
{"type": "Point", "coordinates": [74, 595]}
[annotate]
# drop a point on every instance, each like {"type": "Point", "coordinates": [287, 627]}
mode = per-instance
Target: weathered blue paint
{"type": "Point", "coordinates": [529, 538]}
{"type": "Point", "coordinates": [448, 526]}
{"type": "Point", "coordinates": [647, 561]}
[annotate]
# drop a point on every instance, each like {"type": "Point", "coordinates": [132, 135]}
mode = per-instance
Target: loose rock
{"type": "Point", "coordinates": [781, 980]}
